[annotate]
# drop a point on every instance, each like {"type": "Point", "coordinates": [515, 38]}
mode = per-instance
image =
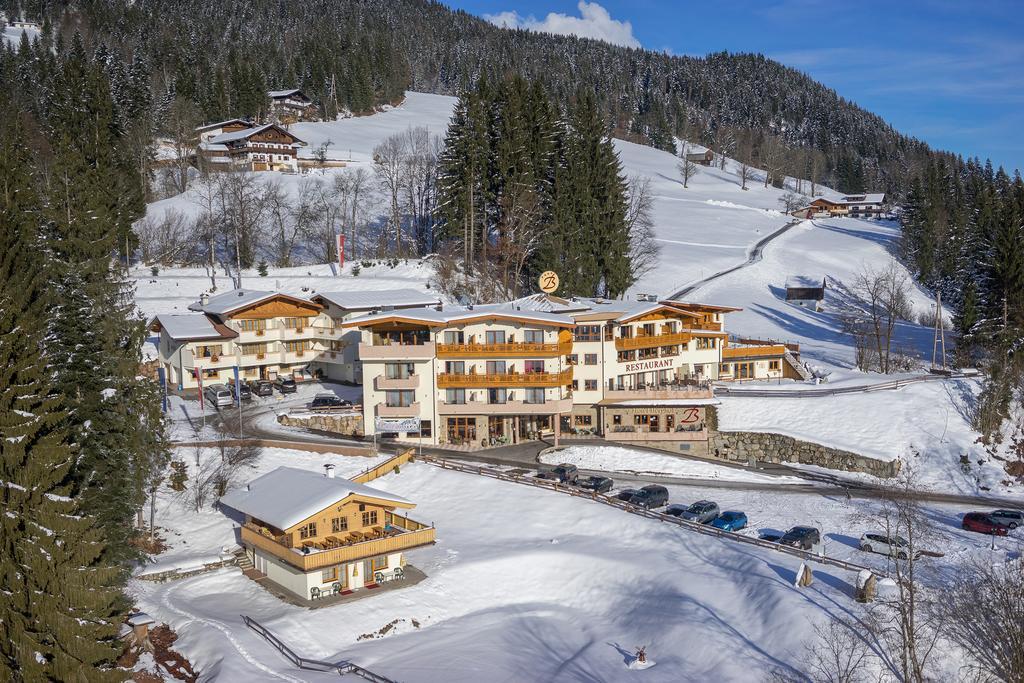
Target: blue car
{"type": "Point", "coordinates": [730, 520]}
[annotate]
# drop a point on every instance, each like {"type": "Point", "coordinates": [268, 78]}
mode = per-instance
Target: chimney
{"type": "Point", "coordinates": [204, 298]}
{"type": "Point", "coordinates": [329, 471]}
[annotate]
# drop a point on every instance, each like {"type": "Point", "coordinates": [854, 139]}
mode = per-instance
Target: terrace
{"type": "Point", "coordinates": [398, 533]}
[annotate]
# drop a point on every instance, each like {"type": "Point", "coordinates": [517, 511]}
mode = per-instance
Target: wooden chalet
{"type": "Point", "coordinates": [260, 148]}
{"type": "Point", "coordinates": [292, 105]}
{"type": "Point", "coordinates": [705, 158]}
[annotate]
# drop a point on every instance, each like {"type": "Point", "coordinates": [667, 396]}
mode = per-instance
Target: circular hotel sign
{"type": "Point", "coordinates": [548, 281]}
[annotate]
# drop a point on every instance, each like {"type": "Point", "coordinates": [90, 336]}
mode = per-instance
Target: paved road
{"type": "Point", "coordinates": [752, 257]}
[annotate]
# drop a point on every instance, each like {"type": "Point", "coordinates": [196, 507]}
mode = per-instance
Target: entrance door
{"type": "Point", "coordinates": [260, 564]}
{"type": "Point", "coordinates": [461, 430]}
{"type": "Point", "coordinates": [367, 572]}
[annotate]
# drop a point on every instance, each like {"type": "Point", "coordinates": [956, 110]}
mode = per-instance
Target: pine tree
{"type": "Point", "coordinates": [59, 618]}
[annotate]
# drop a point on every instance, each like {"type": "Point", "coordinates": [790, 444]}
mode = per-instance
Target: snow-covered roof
{"type": "Point", "coordinates": [871, 198]}
{"type": "Point", "coordinates": [210, 147]}
{"type": "Point", "coordinates": [286, 496]}
{"type": "Point", "coordinates": [185, 327]}
{"type": "Point", "coordinates": [221, 124]}
{"type": "Point", "coordinates": [805, 282]}
{"type": "Point", "coordinates": [368, 299]}
{"type": "Point", "coordinates": [276, 94]}
{"type": "Point", "coordinates": [235, 299]}
{"type": "Point", "coordinates": [548, 303]}
{"type": "Point", "coordinates": [454, 316]}
{"type": "Point", "coordinates": [245, 133]}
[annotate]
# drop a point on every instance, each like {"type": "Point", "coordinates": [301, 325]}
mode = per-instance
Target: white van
{"type": "Point", "coordinates": [219, 395]}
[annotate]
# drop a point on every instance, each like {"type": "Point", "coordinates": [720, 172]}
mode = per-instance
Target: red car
{"type": "Point", "coordinates": [983, 524]}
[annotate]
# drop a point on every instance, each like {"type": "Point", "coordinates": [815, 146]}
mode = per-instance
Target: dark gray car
{"type": "Point", "coordinates": [567, 474]}
{"type": "Point", "coordinates": [803, 537]}
{"type": "Point", "coordinates": [1011, 518]}
{"type": "Point", "coordinates": [650, 496]}
{"type": "Point", "coordinates": [262, 387]}
{"type": "Point", "coordinates": [286, 385]}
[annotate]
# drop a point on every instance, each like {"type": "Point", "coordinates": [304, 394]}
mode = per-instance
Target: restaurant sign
{"type": "Point", "coordinates": [657, 364]}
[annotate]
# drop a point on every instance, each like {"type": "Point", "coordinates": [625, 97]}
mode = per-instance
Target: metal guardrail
{"type": "Point", "coordinates": [838, 391]}
{"type": "Point", "coordinates": [643, 512]}
{"type": "Point", "coordinates": [312, 664]}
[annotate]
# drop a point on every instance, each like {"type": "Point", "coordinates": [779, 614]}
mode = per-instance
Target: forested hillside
{"type": "Point", "coordinates": [357, 54]}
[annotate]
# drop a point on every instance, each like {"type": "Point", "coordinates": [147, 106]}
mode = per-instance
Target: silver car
{"type": "Point", "coordinates": [702, 512]}
{"type": "Point", "coordinates": [893, 546]}
{"type": "Point", "coordinates": [219, 395]}
{"type": "Point", "coordinates": [1011, 518]}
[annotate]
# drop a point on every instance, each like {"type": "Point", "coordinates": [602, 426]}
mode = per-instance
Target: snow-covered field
{"type": "Point", "coordinates": [527, 584]}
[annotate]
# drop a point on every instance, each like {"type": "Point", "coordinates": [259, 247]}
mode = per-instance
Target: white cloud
{"type": "Point", "coordinates": [593, 22]}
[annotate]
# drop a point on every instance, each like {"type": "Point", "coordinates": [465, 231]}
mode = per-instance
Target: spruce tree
{"type": "Point", "coordinates": [60, 614]}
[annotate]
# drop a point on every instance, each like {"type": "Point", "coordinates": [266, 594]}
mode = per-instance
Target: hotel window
{"type": "Point", "coordinates": [533, 336]}
{"type": "Point", "coordinates": [308, 531]}
{"type": "Point", "coordinates": [297, 346]}
{"type": "Point", "coordinates": [208, 351]}
{"type": "Point", "coordinates": [773, 365]}
{"type": "Point", "coordinates": [575, 385]}
{"type": "Point", "coordinates": [724, 368]}
{"type": "Point", "coordinates": [398, 370]}
{"type": "Point", "coordinates": [370, 518]}
{"type": "Point", "coordinates": [252, 325]}
{"type": "Point", "coordinates": [339, 524]}
{"type": "Point", "coordinates": [496, 367]}
{"type": "Point", "coordinates": [497, 396]}
{"type": "Point", "coordinates": [583, 420]}
{"type": "Point", "coordinates": [590, 384]}
{"type": "Point", "coordinates": [211, 374]}
{"type": "Point", "coordinates": [253, 349]}
{"type": "Point", "coordinates": [616, 419]}
{"type": "Point", "coordinates": [379, 563]}
{"type": "Point", "coordinates": [495, 336]}
{"type": "Point", "coordinates": [400, 399]}
{"type": "Point", "coordinates": [425, 428]}
{"type": "Point", "coordinates": [534, 396]}
{"type": "Point", "coordinates": [328, 575]}
{"type": "Point", "coordinates": [644, 354]}
{"type": "Point", "coordinates": [453, 337]}
{"type": "Point", "coordinates": [590, 359]}
{"type": "Point", "coordinates": [585, 333]}
{"type": "Point", "coordinates": [455, 367]}
{"type": "Point", "coordinates": [455, 396]}
{"type": "Point", "coordinates": [572, 359]}
{"type": "Point", "coordinates": [296, 323]}
{"type": "Point", "coordinates": [533, 366]}
{"type": "Point", "coordinates": [626, 356]}
{"type": "Point", "coordinates": [705, 343]}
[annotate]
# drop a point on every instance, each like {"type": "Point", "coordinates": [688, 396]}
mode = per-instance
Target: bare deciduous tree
{"type": "Point", "coordinates": [882, 300]}
{"type": "Point", "coordinates": [687, 168]}
{"type": "Point", "coordinates": [791, 202]}
{"type": "Point", "coordinates": [838, 654]}
{"type": "Point", "coordinates": [984, 616]}
{"type": "Point", "coordinates": [182, 119]}
{"type": "Point", "coordinates": [389, 165]}
{"type": "Point", "coordinates": [746, 173]}
{"type": "Point", "coordinates": [643, 248]}
{"type": "Point", "coordinates": [165, 239]}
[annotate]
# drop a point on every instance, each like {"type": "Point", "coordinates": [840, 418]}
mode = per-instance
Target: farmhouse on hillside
{"type": "Point", "coordinates": [289, 106]}
{"type": "Point", "coordinates": [852, 205]}
{"type": "Point", "coordinates": [704, 158]}
{"type": "Point", "coordinates": [806, 291]}
{"type": "Point", "coordinates": [259, 148]}
{"type": "Point", "coordinates": [314, 534]}
{"type": "Point", "coordinates": [208, 131]}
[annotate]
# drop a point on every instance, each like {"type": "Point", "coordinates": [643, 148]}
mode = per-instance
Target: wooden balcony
{"type": "Point", "coordinates": [385, 383]}
{"type": "Point", "coordinates": [506, 350]}
{"type": "Point", "coordinates": [682, 391]}
{"type": "Point", "coordinates": [317, 559]}
{"type": "Point", "coordinates": [506, 379]}
{"type": "Point", "coordinates": [647, 341]}
{"type": "Point", "coordinates": [759, 351]}
{"type": "Point", "coordinates": [411, 410]}
{"type": "Point", "coordinates": [560, 406]}
{"type": "Point", "coordinates": [396, 351]}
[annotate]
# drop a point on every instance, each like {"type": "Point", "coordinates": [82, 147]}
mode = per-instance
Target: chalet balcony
{"type": "Point", "coordinates": [504, 350]}
{"type": "Point", "coordinates": [411, 410]}
{"type": "Point", "coordinates": [647, 341]}
{"type": "Point", "coordinates": [334, 549]}
{"type": "Point", "coordinates": [506, 379]}
{"type": "Point", "coordinates": [372, 352]}
{"type": "Point", "coordinates": [733, 352]}
{"type": "Point", "coordinates": [385, 383]}
{"type": "Point", "coordinates": [644, 433]}
{"type": "Point", "coordinates": [678, 390]}
{"type": "Point", "coordinates": [559, 406]}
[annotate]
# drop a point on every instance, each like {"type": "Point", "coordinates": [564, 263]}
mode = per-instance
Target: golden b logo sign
{"type": "Point", "coordinates": [548, 281]}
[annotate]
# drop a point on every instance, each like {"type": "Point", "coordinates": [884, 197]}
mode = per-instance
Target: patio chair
{"type": "Point", "coordinates": [398, 572]}
{"type": "Point", "coordinates": [335, 588]}
{"type": "Point", "coordinates": [314, 593]}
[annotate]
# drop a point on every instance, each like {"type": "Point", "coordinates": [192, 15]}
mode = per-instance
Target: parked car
{"type": "Point", "coordinates": [730, 520]}
{"type": "Point", "coordinates": [626, 494]}
{"type": "Point", "coordinates": [675, 509]}
{"type": "Point", "coordinates": [596, 484]}
{"type": "Point", "coordinates": [650, 496]}
{"type": "Point", "coordinates": [219, 395]}
{"type": "Point", "coordinates": [803, 537]}
{"type": "Point", "coordinates": [893, 546]}
{"type": "Point", "coordinates": [983, 523]}
{"type": "Point", "coordinates": [244, 392]}
{"type": "Point", "coordinates": [566, 473]}
{"type": "Point", "coordinates": [286, 385]}
{"type": "Point", "coordinates": [1010, 518]}
{"type": "Point", "coordinates": [262, 387]}
{"type": "Point", "coordinates": [324, 401]}
{"type": "Point", "coordinates": [702, 512]}
{"type": "Point", "coordinates": [547, 475]}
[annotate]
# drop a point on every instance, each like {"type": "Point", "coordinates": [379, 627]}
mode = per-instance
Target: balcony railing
{"type": "Point", "coordinates": [506, 350]}
{"type": "Point", "coordinates": [679, 389]}
{"type": "Point", "coordinates": [316, 558]}
{"type": "Point", "coordinates": [396, 351]}
{"type": "Point", "coordinates": [759, 351]}
{"type": "Point", "coordinates": [506, 379]}
{"type": "Point", "coordinates": [647, 341]}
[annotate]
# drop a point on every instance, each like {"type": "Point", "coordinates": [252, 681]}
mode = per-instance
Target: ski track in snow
{"type": "Point", "coordinates": [223, 628]}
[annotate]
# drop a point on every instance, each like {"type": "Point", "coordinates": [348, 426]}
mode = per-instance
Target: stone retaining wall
{"type": "Point", "coordinates": [348, 424]}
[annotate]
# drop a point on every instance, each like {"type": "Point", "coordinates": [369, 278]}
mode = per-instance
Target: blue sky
{"type": "Point", "coordinates": [950, 72]}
